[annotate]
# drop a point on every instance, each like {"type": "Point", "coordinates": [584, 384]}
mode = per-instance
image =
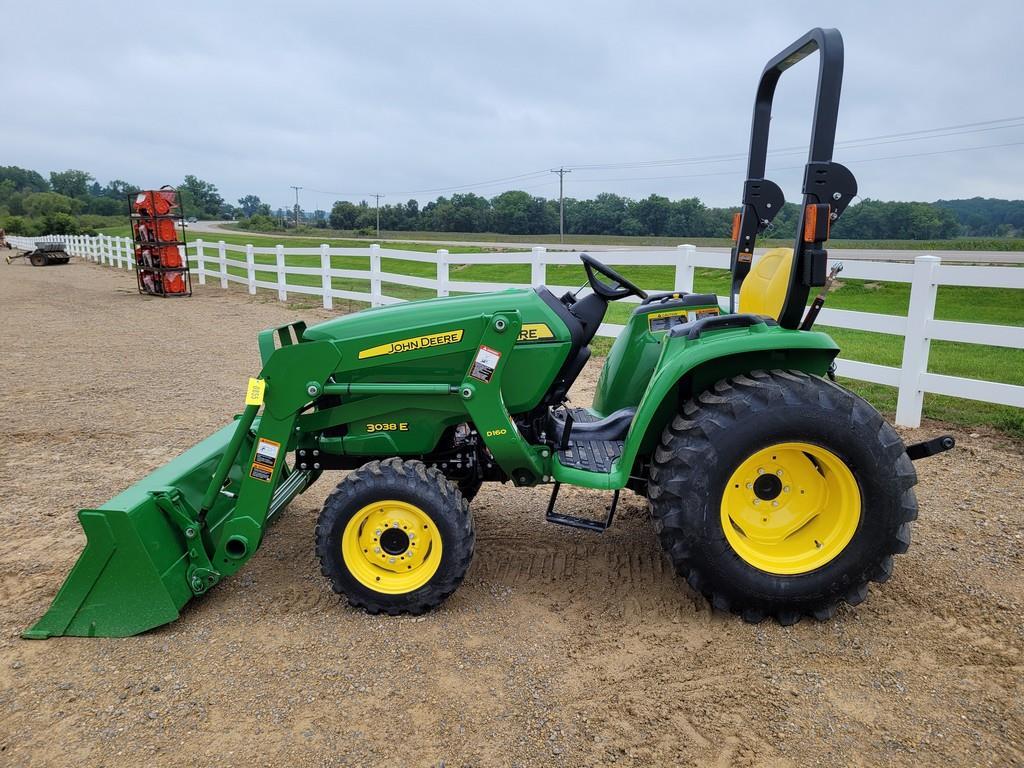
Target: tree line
{"type": "Point", "coordinates": [73, 201]}
{"type": "Point", "coordinates": [519, 213]}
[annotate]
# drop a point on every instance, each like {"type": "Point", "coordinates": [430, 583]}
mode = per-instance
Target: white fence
{"type": "Point", "coordinates": [918, 328]}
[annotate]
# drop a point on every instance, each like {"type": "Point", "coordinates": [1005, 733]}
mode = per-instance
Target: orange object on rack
{"type": "Point", "coordinates": [157, 202]}
{"type": "Point", "coordinates": [174, 282]}
{"type": "Point", "coordinates": [165, 231]}
{"type": "Point", "coordinates": [160, 263]}
{"type": "Point", "coordinates": [169, 256]}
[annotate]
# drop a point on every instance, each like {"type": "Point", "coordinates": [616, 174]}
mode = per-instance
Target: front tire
{"type": "Point", "coordinates": [395, 537]}
{"type": "Point", "coordinates": [782, 494]}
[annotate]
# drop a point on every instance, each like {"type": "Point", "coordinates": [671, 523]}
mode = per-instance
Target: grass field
{"type": "Point", "coordinates": [981, 305]}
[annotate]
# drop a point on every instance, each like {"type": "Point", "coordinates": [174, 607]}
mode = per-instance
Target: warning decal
{"type": "Point", "coordinates": [267, 451]}
{"type": "Point", "coordinates": [260, 472]}
{"type": "Point", "coordinates": [484, 363]}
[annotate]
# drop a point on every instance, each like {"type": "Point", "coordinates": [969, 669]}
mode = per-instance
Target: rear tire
{"type": "Point", "coordinates": [395, 537]}
{"type": "Point", "coordinates": [38, 259]}
{"type": "Point", "coordinates": [743, 453]}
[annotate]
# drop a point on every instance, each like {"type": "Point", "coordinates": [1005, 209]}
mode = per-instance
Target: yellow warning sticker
{"type": "Point", "coordinates": [413, 344]}
{"type": "Point", "coordinates": [535, 332]}
{"type": "Point", "coordinates": [662, 321]}
{"type": "Point", "coordinates": [254, 391]}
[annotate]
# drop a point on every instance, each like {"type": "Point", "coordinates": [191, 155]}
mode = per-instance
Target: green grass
{"type": "Point", "coordinates": [980, 305]}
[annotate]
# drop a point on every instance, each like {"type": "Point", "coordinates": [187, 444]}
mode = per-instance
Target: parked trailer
{"type": "Point", "coordinates": [46, 253]}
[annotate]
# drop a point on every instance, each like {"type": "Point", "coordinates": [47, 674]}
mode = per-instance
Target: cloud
{"type": "Point", "coordinates": [398, 97]}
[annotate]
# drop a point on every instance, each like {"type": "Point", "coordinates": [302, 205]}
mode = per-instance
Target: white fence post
{"type": "Point", "coordinates": [282, 284]}
{"type": "Point", "coordinates": [200, 262]}
{"type": "Point", "coordinates": [222, 255]}
{"type": "Point", "coordinates": [916, 343]}
{"type": "Point", "coordinates": [250, 271]}
{"type": "Point", "coordinates": [116, 248]}
{"type": "Point", "coordinates": [325, 271]}
{"type": "Point", "coordinates": [183, 253]}
{"type": "Point", "coordinates": [684, 268]}
{"type": "Point", "coordinates": [99, 249]}
{"type": "Point", "coordinates": [538, 267]}
{"type": "Point", "coordinates": [375, 291]}
{"type": "Point", "coordinates": [442, 271]}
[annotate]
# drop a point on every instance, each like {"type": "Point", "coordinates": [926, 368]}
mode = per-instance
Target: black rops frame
{"type": "Point", "coordinates": [825, 182]}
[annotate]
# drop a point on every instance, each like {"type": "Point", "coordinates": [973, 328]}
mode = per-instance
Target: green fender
{"type": "Point", "coordinates": [689, 366]}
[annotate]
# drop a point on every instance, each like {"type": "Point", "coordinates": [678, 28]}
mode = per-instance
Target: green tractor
{"type": "Point", "coordinates": [774, 491]}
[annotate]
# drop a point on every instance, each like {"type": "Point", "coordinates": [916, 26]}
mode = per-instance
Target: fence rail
{"type": "Point", "coordinates": [918, 328]}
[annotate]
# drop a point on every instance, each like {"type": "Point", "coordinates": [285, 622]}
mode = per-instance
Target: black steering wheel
{"type": "Point", "coordinates": [621, 287]}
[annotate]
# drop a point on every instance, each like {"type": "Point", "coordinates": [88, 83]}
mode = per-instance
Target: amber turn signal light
{"type": "Point", "coordinates": [817, 222]}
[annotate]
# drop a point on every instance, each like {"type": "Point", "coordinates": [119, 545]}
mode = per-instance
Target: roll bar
{"type": "Point", "coordinates": [826, 184]}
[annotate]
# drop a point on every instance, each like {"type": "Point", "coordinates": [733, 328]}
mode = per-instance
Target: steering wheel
{"type": "Point", "coordinates": [621, 286]}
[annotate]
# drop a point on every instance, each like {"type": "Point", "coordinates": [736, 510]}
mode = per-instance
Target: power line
{"type": "Point", "coordinates": [378, 196]}
{"type": "Point", "coordinates": [863, 142]}
{"type": "Point", "coordinates": [892, 138]}
{"type": "Point", "coordinates": [296, 204]}
{"type": "Point", "coordinates": [561, 201]}
{"type": "Point", "coordinates": [797, 167]}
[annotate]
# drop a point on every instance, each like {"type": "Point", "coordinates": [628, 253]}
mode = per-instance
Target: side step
{"type": "Point", "coordinates": [586, 524]}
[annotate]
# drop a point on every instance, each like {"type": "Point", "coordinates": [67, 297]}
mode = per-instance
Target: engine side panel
{"type": "Point", "coordinates": [434, 341]}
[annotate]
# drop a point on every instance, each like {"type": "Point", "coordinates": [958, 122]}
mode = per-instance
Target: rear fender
{"type": "Point", "coordinates": [689, 366]}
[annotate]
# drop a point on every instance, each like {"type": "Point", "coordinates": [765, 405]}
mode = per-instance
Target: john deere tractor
{"type": "Point", "coordinates": [774, 491]}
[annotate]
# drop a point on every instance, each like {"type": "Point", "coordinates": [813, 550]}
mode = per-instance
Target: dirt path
{"type": "Point", "coordinates": [561, 648]}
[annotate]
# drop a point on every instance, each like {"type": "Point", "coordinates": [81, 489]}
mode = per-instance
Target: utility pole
{"type": "Point", "coordinates": [296, 204]}
{"type": "Point", "coordinates": [378, 196]}
{"type": "Point", "coordinates": [561, 201]}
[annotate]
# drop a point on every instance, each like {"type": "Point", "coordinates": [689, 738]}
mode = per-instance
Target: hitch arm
{"type": "Point", "coordinates": [931, 447]}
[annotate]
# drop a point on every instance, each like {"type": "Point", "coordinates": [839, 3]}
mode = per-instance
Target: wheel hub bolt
{"type": "Point", "coordinates": [785, 488]}
{"type": "Point", "coordinates": [760, 471]}
{"type": "Point", "coordinates": [778, 472]}
{"type": "Point", "coordinates": [775, 503]}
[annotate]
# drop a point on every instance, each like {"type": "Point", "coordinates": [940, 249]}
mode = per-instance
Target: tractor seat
{"type": "Point", "coordinates": [764, 289]}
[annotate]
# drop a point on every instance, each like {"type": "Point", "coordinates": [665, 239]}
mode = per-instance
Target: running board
{"type": "Point", "coordinates": [583, 523]}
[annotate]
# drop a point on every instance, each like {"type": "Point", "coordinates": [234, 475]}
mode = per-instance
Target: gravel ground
{"type": "Point", "coordinates": [561, 648]}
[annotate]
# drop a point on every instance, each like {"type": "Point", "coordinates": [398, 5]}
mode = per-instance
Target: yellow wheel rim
{"type": "Point", "coordinates": [791, 508]}
{"type": "Point", "coordinates": [391, 546]}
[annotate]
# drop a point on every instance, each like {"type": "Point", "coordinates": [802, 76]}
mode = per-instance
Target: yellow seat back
{"type": "Point", "coordinates": [763, 291]}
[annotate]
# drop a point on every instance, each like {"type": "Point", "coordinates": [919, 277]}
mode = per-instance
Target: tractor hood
{"type": "Point", "coordinates": [413, 316]}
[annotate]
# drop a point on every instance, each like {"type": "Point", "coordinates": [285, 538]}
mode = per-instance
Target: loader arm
{"type": "Point", "coordinates": [188, 525]}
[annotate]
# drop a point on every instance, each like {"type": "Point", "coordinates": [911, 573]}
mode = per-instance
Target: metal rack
{"type": "Point", "coordinates": [158, 272]}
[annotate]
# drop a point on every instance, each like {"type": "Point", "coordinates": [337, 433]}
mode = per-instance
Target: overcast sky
{"type": "Point", "coordinates": [348, 98]}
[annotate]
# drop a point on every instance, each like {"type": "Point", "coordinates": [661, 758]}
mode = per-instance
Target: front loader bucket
{"type": "Point", "coordinates": [132, 575]}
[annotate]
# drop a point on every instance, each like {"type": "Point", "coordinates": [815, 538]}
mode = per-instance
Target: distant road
{"type": "Point", "coordinates": [971, 257]}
